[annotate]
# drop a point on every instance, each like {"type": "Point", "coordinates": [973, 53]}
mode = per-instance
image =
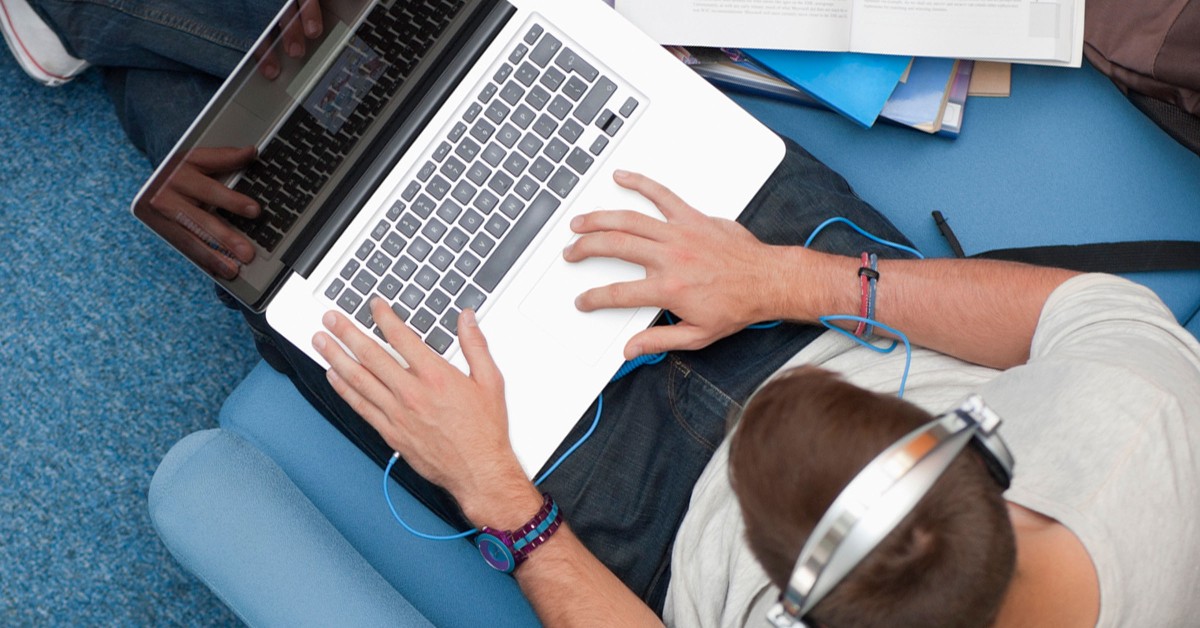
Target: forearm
{"type": "Point", "coordinates": [565, 583]}
{"type": "Point", "coordinates": [980, 311]}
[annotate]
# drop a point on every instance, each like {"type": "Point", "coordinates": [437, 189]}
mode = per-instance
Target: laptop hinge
{"type": "Point", "coordinates": [398, 134]}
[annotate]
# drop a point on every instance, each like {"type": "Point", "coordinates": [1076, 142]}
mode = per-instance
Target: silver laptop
{"type": "Point", "coordinates": [432, 153]}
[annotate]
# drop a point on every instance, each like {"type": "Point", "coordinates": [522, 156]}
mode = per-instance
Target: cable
{"type": "Point", "coordinates": [827, 321]}
{"type": "Point", "coordinates": [861, 231]}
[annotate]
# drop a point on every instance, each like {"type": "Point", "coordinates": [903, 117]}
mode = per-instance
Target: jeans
{"type": "Point", "coordinates": [161, 59]}
{"type": "Point", "coordinates": [627, 489]}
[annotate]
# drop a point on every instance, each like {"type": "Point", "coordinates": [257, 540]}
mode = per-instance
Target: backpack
{"type": "Point", "coordinates": [1150, 49]}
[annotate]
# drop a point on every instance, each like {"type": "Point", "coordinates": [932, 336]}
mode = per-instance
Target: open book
{"type": "Point", "coordinates": [1047, 31]}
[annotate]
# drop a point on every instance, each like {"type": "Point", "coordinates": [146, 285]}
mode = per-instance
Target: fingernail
{"type": "Point", "coordinates": [270, 70]}
{"type": "Point", "coordinates": [296, 50]}
{"type": "Point", "coordinates": [252, 211]}
{"type": "Point", "coordinates": [467, 318]}
{"type": "Point", "coordinates": [329, 320]}
{"type": "Point", "coordinates": [620, 174]}
{"type": "Point", "coordinates": [579, 302]}
{"type": "Point", "coordinates": [331, 375]}
{"type": "Point", "coordinates": [245, 253]}
{"type": "Point", "coordinates": [319, 342]}
{"type": "Point", "coordinates": [634, 351]}
{"type": "Point", "coordinates": [567, 249]}
{"type": "Point", "coordinates": [312, 28]}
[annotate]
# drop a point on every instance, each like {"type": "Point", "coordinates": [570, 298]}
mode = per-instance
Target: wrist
{"type": "Point", "coordinates": [504, 501]}
{"type": "Point", "coordinates": [811, 284]}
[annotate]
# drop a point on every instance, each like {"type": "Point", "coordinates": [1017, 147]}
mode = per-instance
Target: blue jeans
{"type": "Point", "coordinates": [161, 60]}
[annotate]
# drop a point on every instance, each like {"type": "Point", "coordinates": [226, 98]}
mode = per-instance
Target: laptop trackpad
{"type": "Point", "coordinates": [551, 304]}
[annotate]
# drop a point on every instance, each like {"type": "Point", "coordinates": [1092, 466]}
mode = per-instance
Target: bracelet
{"type": "Point", "coordinates": [873, 275]}
{"type": "Point", "coordinates": [864, 289]}
{"type": "Point", "coordinates": [505, 550]}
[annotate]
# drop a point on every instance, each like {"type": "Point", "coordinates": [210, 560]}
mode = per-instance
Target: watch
{"type": "Point", "coordinates": [505, 550]}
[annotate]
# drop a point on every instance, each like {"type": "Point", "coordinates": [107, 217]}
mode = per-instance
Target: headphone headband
{"type": "Point", "coordinates": [881, 495]}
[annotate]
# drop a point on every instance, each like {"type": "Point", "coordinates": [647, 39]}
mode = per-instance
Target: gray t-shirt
{"type": "Point", "coordinates": [1104, 424]}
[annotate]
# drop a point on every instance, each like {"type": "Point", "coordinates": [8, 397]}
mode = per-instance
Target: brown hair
{"type": "Point", "coordinates": [802, 438]}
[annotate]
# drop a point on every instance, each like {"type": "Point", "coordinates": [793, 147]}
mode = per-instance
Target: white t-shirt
{"type": "Point", "coordinates": [1104, 425]}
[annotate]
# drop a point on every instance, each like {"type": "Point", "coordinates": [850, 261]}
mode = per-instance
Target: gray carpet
{"type": "Point", "coordinates": [111, 349]}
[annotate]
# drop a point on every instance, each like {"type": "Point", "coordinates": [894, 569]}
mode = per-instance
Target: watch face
{"type": "Point", "coordinates": [495, 553]}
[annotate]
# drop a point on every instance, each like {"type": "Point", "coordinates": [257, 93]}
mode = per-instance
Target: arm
{"type": "Point", "coordinates": [980, 311]}
{"type": "Point", "coordinates": [453, 430]}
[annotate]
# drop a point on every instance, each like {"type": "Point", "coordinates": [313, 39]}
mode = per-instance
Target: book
{"type": "Point", "coordinates": [855, 85]}
{"type": "Point", "coordinates": [920, 101]}
{"type": "Point", "coordinates": [956, 104]}
{"type": "Point", "coordinates": [1014, 30]}
{"type": "Point", "coordinates": [732, 70]}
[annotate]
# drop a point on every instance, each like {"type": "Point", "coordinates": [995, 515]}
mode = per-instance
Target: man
{"type": "Point", "coordinates": [1098, 386]}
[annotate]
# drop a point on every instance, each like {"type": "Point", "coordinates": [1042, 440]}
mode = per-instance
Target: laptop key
{"type": "Point", "coordinates": [463, 192]}
{"type": "Point", "coordinates": [496, 225]}
{"type": "Point", "coordinates": [364, 250]}
{"type": "Point", "coordinates": [517, 54]}
{"type": "Point", "coordinates": [434, 230]}
{"type": "Point", "coordinates": [580, 161]}
{"type": "Point", "coordinates": [530, 145]}
{"type": "Point", "coordinates": [466, 264]}
{"type": "Point", "coordinates": [467, 150]}
{"type": "Point", "coordinates": [422, 320]}
{"type": "Point", "coordinates": [478, 173]}
{"type": "Point", "coordinates": [482, 131]}
{"type": "Point", "coordinates": [552, 78]}
{"type": "Point", "coordinates": [613, 126]}
{"type": "Point", "coordinates": [453, 168]}
{"type": "Point", "coordinates": [426, 277]}
{"type": "Point", "coordinates": [412, 296]}
{"type": "Point", "coordinates": [556, 150]}
{"type": "Point", "coordinates": [441, 151]}
{"type": "Point", "coordinates": [419, 249]}
{"type": "Point", "coordinates": [459, 128]}
{"type": "Point", "coordinates": [497, 112]}
{"type": "Point", "coordinates": [334, 289]}
{"type": "Point", "coordinates": [394, 211]}
{"type": "Point", "coordinates": [438, 187]}
{"type": "Point", "coordinates": [628, 108]}
{"type": "Point", "coordinates": [541, 169]}
{"type": "Point", "coordinates": [349, 269]}
{"type": "Point", "coordinates": [389, 287]}
{"type": "Point", "coordinates": [401, 311]}
{"type": "Point", "coordinates": [570, 131]}
{"type": "Point", "coordinates": [410, 191]}
{"type": "Point", "coordinates": [511, 207]}
{"type": "Point", "coordinates": [426, 171]}
{"type": "Point", "coordinates": [526, 188]}
{"type": "Point", "coordinates": [569, 61]}
{"type": "Point", "coordinates": [486, 201]}
{"type": "Point", "coordinates": [526, 74]}
{"type": "Point", "coordinates": [559, 107]}
{"type": "Point", "coordinates": [562, 182]}
{"type": "Point", "coordinates": [470, 299]}
{"type": "Point", "coordinates": [500, 183]}
{"type": "Point", "coordinates": [424, 206]}
{"type": "Point", "coordinates": [393, 244]}
{"type": "Point", "coordinates": [493, 155]}
{"type": "Point", "coordinates": [515, 164]}
{"type": "Point", "coordinates": [437, 301]}
{"type": "Point", "coordinates": [408, 225]}
{"type": "Point", "coordinates": [449, 211]}
{"type": "Point", "coordinates": [471, 221]}
{"type": "Point", "coordinates": [440, 259]}
{"type": "Point", "coordinates": [502, 74]}
{"type": "Point", "coordinates": [364, 315]}
{"type": "Point", "coordinates": [404, 267]}
{"type": "Point", "coordinates": [456, 239]}
{"type": "Point", "coordinates": [450, 320]}
{"type": "Point", "coordinates": [523, 116]}
{"type": "Point", "coordinates": [482, 245]}
{"type": "Point", "coordinates": [514, 244]}
{"type": "Point", "coordinates": [544, 51]}
{"type": "Point", "coordinates": [574, 88]}
{"type": "Point", "coordinates": [537, 97]}
{"type": "Point", "coordinates": [453, 282]}
{"type": "Point", "coordinates": [512, 93]}
{"type": "Point", "coordinates": [379, 263]}
{"type": "Point", "coordinates": [534, 32]}
{"type": "Point", "coordinates": [508, 136]}
{"type": "Point", "coordinates": [598, 146]}
{"type": "Point", "coordinates": [439, 340]}
{"type": "Point", "coordinates": [545, 126]}
{"type": "Point", "coordinates": [349, 302]}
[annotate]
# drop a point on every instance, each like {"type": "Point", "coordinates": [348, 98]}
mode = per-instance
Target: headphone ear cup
{"type": "Point", "coordinates": [996, 458]}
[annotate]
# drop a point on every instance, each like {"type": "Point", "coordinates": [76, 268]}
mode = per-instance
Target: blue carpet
{"type": "Point", "coordinates": [111, 349]}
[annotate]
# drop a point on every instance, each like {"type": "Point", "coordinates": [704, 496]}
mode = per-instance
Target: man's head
{"type": "Point", "coordinates": [802, 438]}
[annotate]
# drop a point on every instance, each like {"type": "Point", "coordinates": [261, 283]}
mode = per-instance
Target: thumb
{"type": "Point", "coordinates": [475, 350]}
{"type": "Point", "coordinates": [223, 159]}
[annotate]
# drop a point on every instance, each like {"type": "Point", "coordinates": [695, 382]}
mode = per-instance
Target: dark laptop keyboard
{"type": "Point", "coordinates": [302, 156]}
{"type": "Point", "coordinates": [503, 168]}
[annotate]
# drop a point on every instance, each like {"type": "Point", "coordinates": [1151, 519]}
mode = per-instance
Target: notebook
{"type": "Point", "coordinates": [432, 153]}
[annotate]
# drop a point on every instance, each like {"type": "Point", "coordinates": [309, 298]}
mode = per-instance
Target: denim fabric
{"type": "Point", "coordinates": [163, 59]}
{"type": "Point", "coordinates": [626, 490]}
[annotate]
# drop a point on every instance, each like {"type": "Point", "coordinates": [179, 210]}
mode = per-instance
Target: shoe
{"type": "Point", "coordinates": [36, 46]}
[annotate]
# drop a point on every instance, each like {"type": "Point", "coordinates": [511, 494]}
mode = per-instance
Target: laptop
{"type": "Point", "coordinates": [432, 153]}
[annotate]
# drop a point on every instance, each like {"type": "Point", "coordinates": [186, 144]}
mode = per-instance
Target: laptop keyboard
{"type": "Point", "coordinates": [303, 154]}
{"type": "Point", "coordinates": [502, 169]}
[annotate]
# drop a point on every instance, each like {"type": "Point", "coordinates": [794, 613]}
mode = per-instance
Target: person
{"type": "Point", "coordinates": [1096, 384]}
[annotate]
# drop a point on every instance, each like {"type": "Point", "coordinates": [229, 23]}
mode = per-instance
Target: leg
{"type": "Point", "coordinates": [627, 489]}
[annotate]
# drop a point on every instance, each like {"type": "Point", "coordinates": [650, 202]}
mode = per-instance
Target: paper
{"type": "Point", "coordinates": [920, 101]}
{"type": "Point", "coordinates": [855, 85]}
{"type": "Point", "coordinates": [1033, 30]}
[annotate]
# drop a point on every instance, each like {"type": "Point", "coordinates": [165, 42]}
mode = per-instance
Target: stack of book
{"type": "Point", "coordinates": [923, 93]}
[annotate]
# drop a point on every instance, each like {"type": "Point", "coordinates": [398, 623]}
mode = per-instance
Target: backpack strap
{"type": "Point", "coordinates": [1100, 257]}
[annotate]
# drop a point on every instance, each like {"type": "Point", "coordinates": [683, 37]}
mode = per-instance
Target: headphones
{"type": "Point", "coordinates": [880, 496]}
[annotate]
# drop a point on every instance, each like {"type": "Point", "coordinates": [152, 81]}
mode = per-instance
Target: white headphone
{"type": "Point", "coordinates": [880, 496]}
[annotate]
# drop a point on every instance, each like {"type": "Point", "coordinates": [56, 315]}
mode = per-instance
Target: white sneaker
{"type": "Point", "coordinates": [37, 48]}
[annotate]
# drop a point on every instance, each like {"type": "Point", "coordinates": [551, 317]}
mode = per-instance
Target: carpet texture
{"type": "Point", "coordinates": [112, 348]}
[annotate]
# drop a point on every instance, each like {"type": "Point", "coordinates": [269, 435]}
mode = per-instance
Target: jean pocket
{"type": "Point", "coordinates": [698, 406]}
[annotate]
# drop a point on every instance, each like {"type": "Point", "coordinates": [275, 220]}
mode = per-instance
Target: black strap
{"type": "Point", "coordinates": [1100, 257]}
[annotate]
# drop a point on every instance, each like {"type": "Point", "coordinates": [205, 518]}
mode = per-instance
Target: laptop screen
{"type": "Point", "coordinates": [285, 131]}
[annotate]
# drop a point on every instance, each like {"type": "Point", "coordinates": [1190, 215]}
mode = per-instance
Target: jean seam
{"type": "Point", "coordinates": [678, 367]}
{"type": "Point", "coordinates": [168, 20]}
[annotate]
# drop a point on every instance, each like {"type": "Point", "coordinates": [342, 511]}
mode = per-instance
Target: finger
{"type": "Point", "coordinates": [310, 14]}
{"type": "Point", "coordinates": [475, 350]}
{"type": "Point", "coordinates": [403, 339]}
{"type": "Point", "coordinates": [679, 337]}
{"type": "Point", "coordinates": [631, 222]}
{"type": "Point", "coordinates": [203, 226]}
{"type": "Point", "coordinates": [292, 38]}
{"type": "Point", "coordinates": [613, 244]}
{"type": "Point", "coordinates": [208, 191]}
{"type": "Point", "coordinates": [222, 159]}
{"type": "Point", "coordinates": [368, 353]}
{"type": "Point", "coordinates": [349, 379]}
{"type": "Point", "coordinates": [663, 198]}
{"type": "Point", "coordinates": [210, 260]}
{"type": "Point", "coordinates": [625, 294]}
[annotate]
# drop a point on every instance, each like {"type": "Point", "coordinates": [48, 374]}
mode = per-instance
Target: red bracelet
{"type": "Point", "coordinates": [864, 287]}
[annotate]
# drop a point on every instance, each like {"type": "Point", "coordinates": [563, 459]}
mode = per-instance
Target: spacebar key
{"type": "Point", "coordinates": [517, 240]}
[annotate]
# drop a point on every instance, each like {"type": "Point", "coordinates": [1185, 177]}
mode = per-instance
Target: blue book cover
{"type": "Point", "coordinates": [854, 84]}
{"type": "Point", "coordinates": [919, 101]}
